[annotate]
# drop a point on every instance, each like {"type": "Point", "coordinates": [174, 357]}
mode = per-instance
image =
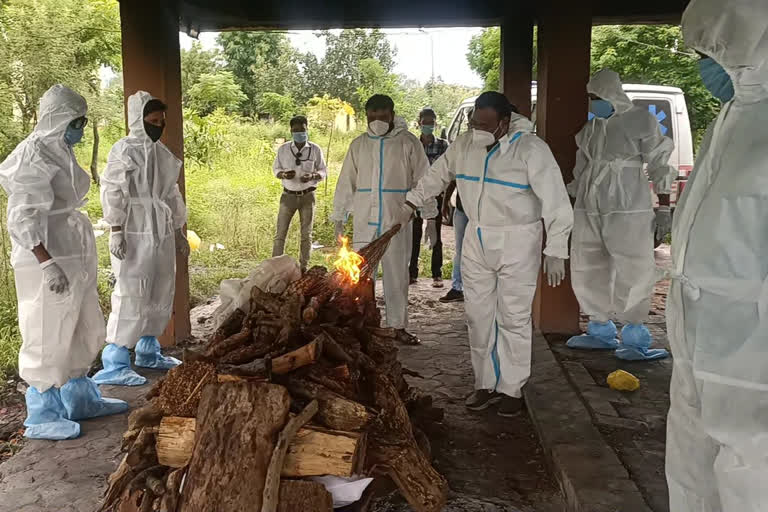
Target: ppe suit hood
{"type": "Point", "coordinates": [736, 37]}
{"type": "Point", "coordinates": [136, 104]}
{"type": "Point", "coordinates": [59, 106]}
{"type": "Point", "coordinates": [400, 125]}
{"type": "Point", "coordinates": [607, 85]}
{"type": "Point", "coordinates": [520, 123]}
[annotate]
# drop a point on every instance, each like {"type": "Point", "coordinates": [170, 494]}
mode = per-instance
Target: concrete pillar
{"type": "Point", "coordinates": [517, 59]}
{"type": "Point", "coordinates": [152, 63]}
{"type": "Point", "coordinates": [564, 38]}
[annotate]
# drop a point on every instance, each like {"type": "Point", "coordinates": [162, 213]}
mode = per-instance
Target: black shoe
{"type": "Point", "coordinates": [453, 296]}
{"type": "Point", "coordinates": [482, 399]}
{"type": "Point", "coordinates": [406, 338]}
{"type": "Point", "coordinates": [510, 406]}
{"type": "Point", "coordinates": [414, 280]}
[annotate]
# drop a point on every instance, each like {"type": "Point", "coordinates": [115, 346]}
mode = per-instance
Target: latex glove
{"type": "Point", "coordinates": [182, 244]}
{"type": "Point", "coordinates": [663, 222]}
{"type": "Point", "coordinates": [404, 214]}
{"type": "Point", "coordinates": [430, 234]}
{"type": "Point", "coordinates": [338, 230]}
{"type": "Point", "coordinates": [117, 244]}
{"type": "Point", "coordinates": [286, 175]}
{"type": "Point", "coordinates": [55, 278]}
{"type": "Point", "coordinates": [555, 270]}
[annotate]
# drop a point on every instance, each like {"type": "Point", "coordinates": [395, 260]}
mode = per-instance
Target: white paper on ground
{"type": "Point", "coordinates": [344, 491]}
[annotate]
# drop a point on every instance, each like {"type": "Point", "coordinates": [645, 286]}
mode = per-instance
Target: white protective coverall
{"type": "Point", "coordinates": [139, 193]}
{"type": "Point", "coordinates": [506, 192]}
{"type": "Point", "coordinates": [612, 265]}
{"type": "Point", "coordinates": [376, 175]}
{"type": "Point", "coordinates": [717, 310]}
{"type": "Point", "coordinates": [62, 334]}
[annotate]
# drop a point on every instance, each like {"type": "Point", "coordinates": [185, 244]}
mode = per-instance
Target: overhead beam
{"type": "Point", "coordinates": [152, 63]}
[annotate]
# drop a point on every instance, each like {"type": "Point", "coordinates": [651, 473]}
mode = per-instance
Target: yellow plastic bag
{"type": "Point", "coordinates": [194, 240]}
{"type": "Point", "coordinates": [623, 381]}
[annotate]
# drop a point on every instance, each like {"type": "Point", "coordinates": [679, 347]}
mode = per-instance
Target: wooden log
{"type": "Point", "coordinates": [394, 449]}
{"type": "Point", "coordinates": [302, 356]}
{"type": "Point", "coordinates": [303, 496]}
{"type": "Point", "coordinates": [256, 368]}
{"type": "Point", "coordinates": [240, 378]}
{"type": "Point", "coordinates": [175, 441]}
{"type": "Point", "coordinates": [238, 425]}
{"type": "Point", "coordinates": [170, 499]}
{"type": "Point", "coordinates": [272, 481]}
{"type": "Point", "coordinates": [216, 350]}
{"type": "Point", "coordinates": [247, 353]}
{"type": "Point", "coordinates": [149, 415]}
{"type": "Point", "coordinates": [316, 452]}
{"type": "Point", "coordinates": [335, 411]}
{"type": "Point", "coordinates": [138, 452]}
{"type": "Point", "coordinates": [229, 326]}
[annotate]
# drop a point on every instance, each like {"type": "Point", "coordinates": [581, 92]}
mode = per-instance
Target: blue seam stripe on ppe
{"type": "Point", "coordinates": [467, 177]}
{"type": "Point", "coordinates": [381, 178]}
{"type": "Point", "coordinates": [395, 190]}
{"type": "Point", "coordinates": [515, 137]}
{"type": "Point", "coordinates": [495, 355]}
{"type": "Point", "coordinates": [365, 190]}
{"type": "Point", "coordinates": [373, 136]}
{"type": "Point", "coordinates": [480, 237]}
{"type": "Point", "coordinates": [507, 183]}
{"type": "Point", "coordinates": [373, 224]}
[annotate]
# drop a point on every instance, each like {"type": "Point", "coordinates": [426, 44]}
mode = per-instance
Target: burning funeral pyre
{"type": "Point", "coordinates": [305, 384]}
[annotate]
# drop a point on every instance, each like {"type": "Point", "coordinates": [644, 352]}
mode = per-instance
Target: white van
{"type": "Point", "coordinates": [666, 103]}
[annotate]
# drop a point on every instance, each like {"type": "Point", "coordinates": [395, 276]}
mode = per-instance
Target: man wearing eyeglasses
{"type": "Point", "coordinates": [301, 166]}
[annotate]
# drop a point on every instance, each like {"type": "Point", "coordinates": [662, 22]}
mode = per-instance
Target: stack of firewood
{"type": "Point", "coordinates": [305, 384]}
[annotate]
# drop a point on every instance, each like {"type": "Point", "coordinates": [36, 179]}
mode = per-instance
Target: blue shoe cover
{"type": "Point", "coordinates": [82, 399]}
{"type": "Point", "coordinates": [148, 355]}
{"type": "Point", "coordinates": [600, 335]}
{"type": "Point", "coordinates": [47, 417]}
{"type": "Point", "coordinates": [635, 343]}
{"type": "Point", "coordinates": [117, 368]}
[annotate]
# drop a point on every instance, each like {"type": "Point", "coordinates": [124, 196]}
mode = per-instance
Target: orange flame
{"type": "Point", "coordinates": [348, 262]}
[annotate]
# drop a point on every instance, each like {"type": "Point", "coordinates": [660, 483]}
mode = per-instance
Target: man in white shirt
{"type": "Point", "coordinates": [301, 166]}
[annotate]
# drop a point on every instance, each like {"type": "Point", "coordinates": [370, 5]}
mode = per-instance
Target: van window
{"type": "Point", "coordinates": [461, 123]}
{"type": "Point", "coordinates": [662, 109]}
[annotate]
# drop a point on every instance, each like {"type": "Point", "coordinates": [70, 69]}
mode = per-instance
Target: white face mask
{"type": "Point", "coordinates": [378, 128]}
{"type": "Point", "coordinates": [482, 138]}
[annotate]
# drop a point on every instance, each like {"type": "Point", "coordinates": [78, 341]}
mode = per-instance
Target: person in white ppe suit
{"type": "Point", "coordinates": [612, 264]}
{"type": "Point", "coordinates": [509, 181]}
{"type": "Point", "coordinates": [381, 166]}
{"type": "Point", "coordinates": [717, 309]}
{"type": "Point", "coordinates": [142, 203]}
{"type": "Point", "coordinates": [55, 264]}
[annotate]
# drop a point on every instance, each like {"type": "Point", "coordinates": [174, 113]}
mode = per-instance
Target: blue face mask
{"type": "Point", "coordinates": [300, 137]}
{"type": "Point", "coordinates": [427, 129]}
{"type": "Point", "coordinates": [716, 79]}
{"type": "Point", "coordinates": [73, 135]}
{"type": "Point", "coordinates": [601, 108]}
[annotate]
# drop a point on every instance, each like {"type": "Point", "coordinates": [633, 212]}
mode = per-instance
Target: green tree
{"type": "Point", "coordinates": [196, 62]}
{"type": "Point", "coordinates": [213, 91]}
{"type": "Point", "coordinates": [339, 74]}
{"type": "Point", "coordinates": [654, 54]}
{"type": "Point", "coordinates": [484, 56]}
{"type": "Point", "coordinates": [443, 98]}
{"type": "Point", "coordinates": [280, 107]}
{"type": "Point", "coordinates": [322, 111]}
{"type": "Point", "coordinates": [45, 42]}
{"type": "Point", "coordinates": [374, 79]}
{"type": "Point", "coordinates": [261, 62]}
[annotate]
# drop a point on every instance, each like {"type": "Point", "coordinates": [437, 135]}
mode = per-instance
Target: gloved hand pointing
{"type": "Point", "coordinates": [53, 277]}
{"type": "Point", "coordinates": [555, 270]}
{"type": "Point", "coordinates": [431, 233]}
{"type": "Point", "coordinates": [663, 222]}
{"type": "Point", "coordinates": [117, 244]}
{"type": "Point", "coordinates": [182, 244]}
